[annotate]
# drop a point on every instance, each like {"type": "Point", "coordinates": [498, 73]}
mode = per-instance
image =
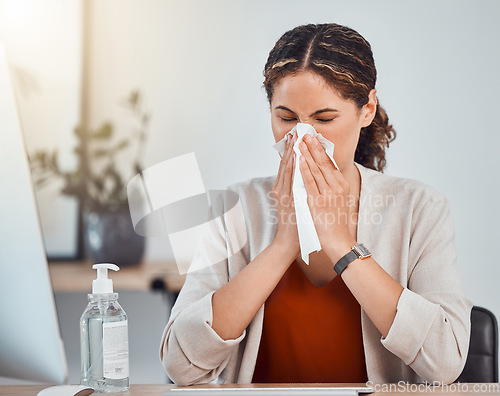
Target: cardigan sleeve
{"type": "Point", "coordinates": [191, 351]}
{"type": "Point", "coordinates": [431, 329]}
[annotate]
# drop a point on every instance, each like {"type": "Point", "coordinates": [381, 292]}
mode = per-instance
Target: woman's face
{"type": "Point", "coordinates": [306, 97]}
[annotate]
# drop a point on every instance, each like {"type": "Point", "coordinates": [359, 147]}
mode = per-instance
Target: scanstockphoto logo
{"type": "Point", "coordinates": [373, 206]}
{"type": "Point", "coordinates": [433, 387]}
{"type": "Point", "coordinates": [169, 200]}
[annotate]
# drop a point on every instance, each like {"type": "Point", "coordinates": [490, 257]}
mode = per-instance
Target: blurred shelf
{"type": "Point", "coordinates": [77, 276]}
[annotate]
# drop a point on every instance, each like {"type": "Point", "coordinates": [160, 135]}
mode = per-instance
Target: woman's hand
{"type": "Point", "coordinates": [328, 198]}
{"type": "Point", "coordinates": [235, 304]}
{"type": "Point", "coordinates": [286, 235]}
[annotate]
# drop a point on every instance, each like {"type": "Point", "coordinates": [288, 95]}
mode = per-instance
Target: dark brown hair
{"type": "Point", "coordinates": [345, 60]}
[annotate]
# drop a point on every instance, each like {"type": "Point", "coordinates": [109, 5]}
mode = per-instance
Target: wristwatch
{"type": "Point", "coordinates": [357, 251]}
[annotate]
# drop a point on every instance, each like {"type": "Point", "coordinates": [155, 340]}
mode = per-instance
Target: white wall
{"type": "Point", "coordinates": [200, 64]}
{"type": "Point", "coordinates": [43, 41]}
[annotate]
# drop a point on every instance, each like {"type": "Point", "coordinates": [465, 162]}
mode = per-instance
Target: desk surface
{"type": "Point", "coordinates": [77, 276]}
{"type": "Point", "coordinates": [380, 389]}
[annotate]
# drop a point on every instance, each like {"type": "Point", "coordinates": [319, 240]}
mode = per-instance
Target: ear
{"type": "Point", "coordinates": [369, 110]}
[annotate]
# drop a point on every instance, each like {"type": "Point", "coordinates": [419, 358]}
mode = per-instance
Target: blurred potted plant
{"type": "Point", "coordinates": [99, 185]}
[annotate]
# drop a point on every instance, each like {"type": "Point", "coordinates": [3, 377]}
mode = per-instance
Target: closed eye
{"type": "Point", "coordinates": [288, 119]}
{"type": "Point", "coordinates": [295, 119]}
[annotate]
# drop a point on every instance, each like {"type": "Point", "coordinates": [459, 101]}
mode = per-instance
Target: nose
{"type": "Point", "coordinates": [306, 121]}
{"type": "Point", "coordinates": [310, 122]}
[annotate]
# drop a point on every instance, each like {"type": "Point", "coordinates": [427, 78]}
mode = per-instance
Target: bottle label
{"type": "Point", "coordinates": [115, 349]}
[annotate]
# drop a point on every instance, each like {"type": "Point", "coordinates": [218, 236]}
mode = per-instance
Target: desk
{"type": "Point", "coordinates": [380, 389]}
{"type": "Point", "coordinates": [77, 276]}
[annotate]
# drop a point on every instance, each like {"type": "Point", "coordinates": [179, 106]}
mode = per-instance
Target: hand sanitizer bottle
{"type": "Point", "coordinates": [104, 337]}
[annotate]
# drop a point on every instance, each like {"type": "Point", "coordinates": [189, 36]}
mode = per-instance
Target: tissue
{"type": "Point", "coordinates": [308, 237]}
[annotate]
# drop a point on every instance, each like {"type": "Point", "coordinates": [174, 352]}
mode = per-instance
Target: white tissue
{"type": "Point", "coordinates": [308, 237]}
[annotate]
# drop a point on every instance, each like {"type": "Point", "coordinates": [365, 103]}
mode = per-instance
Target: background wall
{"type": "Point", "coordinates": [43, 41]}
{"type": "Point", "coordinates": [199, 65]}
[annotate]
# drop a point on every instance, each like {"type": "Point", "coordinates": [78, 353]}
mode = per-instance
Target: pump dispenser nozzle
{"type": "Point", "coordinates": [103, 284]}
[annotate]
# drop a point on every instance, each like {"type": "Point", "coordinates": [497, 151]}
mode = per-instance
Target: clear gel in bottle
{"type": "Point", "coordinates": [104, 337]}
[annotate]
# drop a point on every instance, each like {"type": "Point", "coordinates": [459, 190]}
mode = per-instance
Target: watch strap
{"type": "Point", "coordinates": [345, 261]}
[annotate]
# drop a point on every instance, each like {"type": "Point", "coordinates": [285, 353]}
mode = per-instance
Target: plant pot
{"type": "Point", "coordinates": [109, 237]}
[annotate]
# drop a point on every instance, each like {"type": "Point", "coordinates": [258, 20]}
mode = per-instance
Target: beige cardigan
{"type": "Point", "coordinates": [408, 227]}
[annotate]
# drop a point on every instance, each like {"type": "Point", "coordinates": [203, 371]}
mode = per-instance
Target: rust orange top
{"type": "Point", "coordinates": [310, 334]}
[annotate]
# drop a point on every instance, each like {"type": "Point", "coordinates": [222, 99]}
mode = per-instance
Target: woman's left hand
{"type": "Point", "coordinates": [327, 196]}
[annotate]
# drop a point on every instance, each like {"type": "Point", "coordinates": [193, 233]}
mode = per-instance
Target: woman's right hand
{"type": "Point", "coordinates": [287, 235]}
{"type": "Point", "coordinates": [237, 302]}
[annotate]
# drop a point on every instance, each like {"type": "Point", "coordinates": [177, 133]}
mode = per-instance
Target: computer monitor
{"type": "Point", "coordinates": [31, 346]}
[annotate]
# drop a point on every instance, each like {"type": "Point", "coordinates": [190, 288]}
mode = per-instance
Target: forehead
{"type": "Point", "coordinates": [306, 90]}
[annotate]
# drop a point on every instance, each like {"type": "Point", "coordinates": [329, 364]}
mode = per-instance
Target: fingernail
{"type": "Point", "coordinates": [307, 137]}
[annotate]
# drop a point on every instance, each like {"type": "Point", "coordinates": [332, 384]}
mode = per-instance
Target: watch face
{"type": "Point", "coordinates": [362, 251]}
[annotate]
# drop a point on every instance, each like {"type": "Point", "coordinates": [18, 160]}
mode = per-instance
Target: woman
{"type": "Point", "coordinates": [398, 315]}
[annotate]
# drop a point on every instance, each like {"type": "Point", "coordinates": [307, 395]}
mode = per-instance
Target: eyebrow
{"type": "Point", "coordinates": [325, 110]}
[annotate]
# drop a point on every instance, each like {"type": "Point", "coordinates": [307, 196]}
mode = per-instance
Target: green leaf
{"type": "Point", "coordinates": [99, 183]}
{"type": "Point", "coordinates": [36, 156]}
{"type": "Point", "coordinates": [70, 190]}
{"type": "Point", "coordinates": [120, 146]}
{"type": "Point", "coordinates": [100, 153]}
{"type": "Point", "coordinates": [104, 132]}
{"type": "Point", "coordinates": [41, 182]}
{"type": "Point", "coordinates": [134, 97]}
